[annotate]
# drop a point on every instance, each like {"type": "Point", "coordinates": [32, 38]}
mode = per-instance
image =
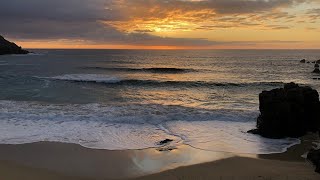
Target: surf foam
{"type": "Point", "coordinates": [133, 126]}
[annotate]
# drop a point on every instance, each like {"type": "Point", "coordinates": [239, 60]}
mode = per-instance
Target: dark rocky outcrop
{"type": "Point", "coordinates": [316, 68]}
{"type": "Point", "coordinates": [7, 47]}
{"type": "Point", "coordinates": [291, 111]}
{"type": "Point", "coordinates": [314, 157]}
{"type": "Point", "coordinates": [169, 148]}
{"type": "Point", "coordinates": [166, 141]}
{"type": "Point", "coordinates": [303, 61]}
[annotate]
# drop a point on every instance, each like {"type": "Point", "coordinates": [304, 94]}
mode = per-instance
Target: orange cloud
{"type": "Point", "coordinates": [162, 24]}
{"type": "Point", "coordinates": [155, 17]}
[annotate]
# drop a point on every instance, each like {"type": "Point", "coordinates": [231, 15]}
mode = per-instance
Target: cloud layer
{"type": "Point", "coordinates": [139, 22]}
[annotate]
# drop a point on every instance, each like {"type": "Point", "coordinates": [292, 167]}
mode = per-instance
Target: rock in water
{"type": "Point", "coordinates": [316, 68]}
{"type": "Point", "coordinates": [166, 141]}
{"type": "Point", "coordinates": [314, 157]}
{"type": "Point", "coordinates": [7, 47]}
{"type": "Point", "coordinates": [303, 61]}
{"type": "Point", "coordinates": [316, 71]}
{"type": "Point", "coordinates": [291, 111]}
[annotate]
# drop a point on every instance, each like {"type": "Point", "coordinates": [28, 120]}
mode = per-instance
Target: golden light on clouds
{"type": "Point", "coordinates": [151, 26]}
{"type": "Point", "coordinates": [171, 24]}
{"type": "Point", "coordinates": [282, 23]}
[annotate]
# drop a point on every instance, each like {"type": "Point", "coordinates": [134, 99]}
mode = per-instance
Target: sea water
{"type": "Point", "coordinates": [132, 99]}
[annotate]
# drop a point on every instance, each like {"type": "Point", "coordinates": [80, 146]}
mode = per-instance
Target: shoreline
{"type": "Point", "coordinates": [53, 160]}
{"type": "Point", "coordinates": [76, 160]}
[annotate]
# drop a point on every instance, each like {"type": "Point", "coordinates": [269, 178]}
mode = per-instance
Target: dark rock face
{"type": "Point", "coordinates": [166, 141]}
{"type": "Point", "coordinates": [170, 148]}
{"type": "Point", "coordinates": [7, 47]}
{"type": "Point", "coordinates": [291, 111]}
{"type": "Point", "coordinates": [316, 70]}
{"type": "Point", "coordinates": [314, 157]}
{"type": "Point", "coordinates": [303, 61]}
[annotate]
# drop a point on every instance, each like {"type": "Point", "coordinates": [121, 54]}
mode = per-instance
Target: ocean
{"type": "Point", "coordinates": [132, 99]}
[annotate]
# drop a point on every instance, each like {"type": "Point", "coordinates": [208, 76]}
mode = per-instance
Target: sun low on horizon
{"type": "Point", "coordinates": [162, 24]}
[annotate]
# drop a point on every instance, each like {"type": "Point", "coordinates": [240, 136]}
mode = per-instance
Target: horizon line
{"type": "Point", "coordinates": [170, 49]}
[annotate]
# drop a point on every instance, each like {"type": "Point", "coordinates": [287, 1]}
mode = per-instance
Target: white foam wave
{"type": "Point", "coordinates": [99, 78]}
{"type": "Point", "coordinates": [133, 126]}
{"type": "Point", "coordinates": [29, 54]}
{"type": "Point", "coordinates": [227, 136]}
{"type": "Point", "coordinates": [92, 134]}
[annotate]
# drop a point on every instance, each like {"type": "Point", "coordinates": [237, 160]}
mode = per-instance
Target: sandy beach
{"type": "Point", "coordinates": [159, 90]}
{"type": "Point", "coordinates": [48, 160]}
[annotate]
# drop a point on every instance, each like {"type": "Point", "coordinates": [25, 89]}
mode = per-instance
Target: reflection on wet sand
{"type": "Point", "coordinates": [151, 160]}
{"type": "Point", "coordinates": [75, 160]}
{"type": "Point", "coordinates": [51, 161]}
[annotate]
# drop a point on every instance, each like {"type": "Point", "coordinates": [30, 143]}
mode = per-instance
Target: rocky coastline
{"type": "Point", "coordinates": [7, 47]}
{"type": "Point", "coordinates": [291, 111]}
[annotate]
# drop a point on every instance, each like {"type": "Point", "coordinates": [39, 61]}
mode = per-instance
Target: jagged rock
{"type": "Point", "coordinates": [166, 141]}
{"type": "Point", "coordinates": [7, 47]}
{"type": "Point", "coordinates": [314, 157]}
{"type": "Point", "coordinates": [316, 69]}
{"type": "Point", "coordinates": [303, 61]}
{"type": "Point", "coordinates": [166, 148]}
{"type": "Point", "coordinates": [291, 111]}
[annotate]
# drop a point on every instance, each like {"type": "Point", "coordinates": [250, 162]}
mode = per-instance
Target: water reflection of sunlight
{"type": "Point", "coordinates": [152, 161]}
{"type": "Point", "coordinates": [209, 99]}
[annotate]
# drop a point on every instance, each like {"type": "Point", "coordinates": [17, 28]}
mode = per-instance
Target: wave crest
{"type": "Point", "coordinates": [107, 80]}
{"type": "Point", "coordinates": [149, 70]}
{"type": "Point", "coordinates": [94, 78]}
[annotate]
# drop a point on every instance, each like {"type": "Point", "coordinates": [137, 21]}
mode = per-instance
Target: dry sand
{"type": "Point", "coordinates": [59, 161]}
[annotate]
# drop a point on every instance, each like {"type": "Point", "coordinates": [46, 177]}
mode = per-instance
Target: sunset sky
{"type": "Point", "coordinates": [162, 24]}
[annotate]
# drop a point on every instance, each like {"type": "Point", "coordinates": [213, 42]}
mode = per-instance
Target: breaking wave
{"type": "Point", "coordinates": [150, 70]}
{"type": "Point", "coordinates": [109, 80]}
{"type": "Point", "coordinates": [133, 126]}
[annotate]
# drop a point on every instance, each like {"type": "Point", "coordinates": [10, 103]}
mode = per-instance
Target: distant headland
{"type": "Point", "coordinates": [7, 47]}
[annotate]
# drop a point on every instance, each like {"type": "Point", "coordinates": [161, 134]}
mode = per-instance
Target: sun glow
{"type": "Point", "coordinates": [175, 24]}
{"type": "Point", "coordinates": [152, 26]}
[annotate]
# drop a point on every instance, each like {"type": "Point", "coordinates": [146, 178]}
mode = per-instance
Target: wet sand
{"type": "Point", "coordinates": [241, 168]}
{"type": "Point", "coordinates": [48, 160]}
